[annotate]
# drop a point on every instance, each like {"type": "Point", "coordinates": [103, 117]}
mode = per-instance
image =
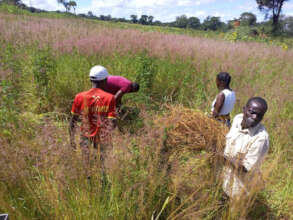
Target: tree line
{"type": "Point", "coordinates": [271, 8]}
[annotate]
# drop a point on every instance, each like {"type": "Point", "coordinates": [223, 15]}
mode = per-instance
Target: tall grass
{"type": "Point", "coordinates": [45, 62]}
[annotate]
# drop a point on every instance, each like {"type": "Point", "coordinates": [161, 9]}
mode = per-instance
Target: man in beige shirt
{"type": "Point", "coordinates": [246, 145]}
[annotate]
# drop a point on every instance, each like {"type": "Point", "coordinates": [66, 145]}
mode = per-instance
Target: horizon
{"type": "Point", "coordinates": [163, 10]}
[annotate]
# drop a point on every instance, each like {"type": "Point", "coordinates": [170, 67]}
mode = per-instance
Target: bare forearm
{"type": "Point", "coordinates": [118, 97]}
{"type": "Point", "coordinates": [218, 105]}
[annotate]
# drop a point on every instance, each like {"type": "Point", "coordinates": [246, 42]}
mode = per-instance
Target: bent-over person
{"type": "Point", "coordinates": [118, 86]}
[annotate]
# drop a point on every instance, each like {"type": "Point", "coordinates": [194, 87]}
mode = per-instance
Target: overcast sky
{"type": "Point", "coordinates": [163, 10]}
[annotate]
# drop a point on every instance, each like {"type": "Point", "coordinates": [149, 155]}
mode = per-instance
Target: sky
{"type": "Point", "coordinates": [163, 10]}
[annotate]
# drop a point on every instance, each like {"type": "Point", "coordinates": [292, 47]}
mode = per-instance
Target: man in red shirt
{"type": "Point", "coordinates": [118, 86]}
{"type": "Point", "coordinates": [96, 110]}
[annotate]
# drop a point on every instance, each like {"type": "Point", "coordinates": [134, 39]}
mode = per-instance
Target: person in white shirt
{"type": "Point", "coordinates": [224, 102]}
{"type": "Point", "coordinates": [247, 143]}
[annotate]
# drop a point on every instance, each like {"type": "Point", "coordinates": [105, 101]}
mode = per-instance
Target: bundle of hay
{"type": "Point", "coordinates": [188, 129]}
{"type": "Point", "coordinates": [190, 141]}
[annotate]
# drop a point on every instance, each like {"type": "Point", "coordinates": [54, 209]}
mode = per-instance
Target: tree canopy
{"type": "Point", "coordinates": [212, 23]}
{"type": "Point", "coordinates": [247, 18]}
{"type": "Point", "coordinates": [271, 6]}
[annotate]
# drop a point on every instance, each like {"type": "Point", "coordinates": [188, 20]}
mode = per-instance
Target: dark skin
{"type": "Point", "coordinates": [220, 98]}
{"type": "Point", "coordinates": [253, 113]}
{"type": "Point", "coordinates": [76, 118]}
{"type": "Point", "coordinates": [119, 94]}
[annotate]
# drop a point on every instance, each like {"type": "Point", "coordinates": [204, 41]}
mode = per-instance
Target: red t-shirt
{"type": "Point", "coordinates": [116, 83]}
{"type": "Point", "coordinates": [94, 105]}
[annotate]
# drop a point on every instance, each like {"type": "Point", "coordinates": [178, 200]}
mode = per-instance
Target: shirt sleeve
{"type": "Point", "coordinates": [112, 109]}
{"type": "Point", "coordinates": [76, 106]}
{"type": "Point", "coordinates": [256, 153]}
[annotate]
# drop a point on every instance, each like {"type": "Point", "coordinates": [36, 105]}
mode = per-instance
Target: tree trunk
{"type": "Point", "coordinates": [276, 15]}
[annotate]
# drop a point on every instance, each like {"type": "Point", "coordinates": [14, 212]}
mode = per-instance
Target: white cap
{"type": "Point", "coordinates": [98, 73]}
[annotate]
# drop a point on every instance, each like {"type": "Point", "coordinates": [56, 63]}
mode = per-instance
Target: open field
{"type": "Point", "coordinates": [45, 61]}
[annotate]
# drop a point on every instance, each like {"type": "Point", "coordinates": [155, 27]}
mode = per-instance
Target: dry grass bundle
{"type": "Point", "coordinates": [188, 129]}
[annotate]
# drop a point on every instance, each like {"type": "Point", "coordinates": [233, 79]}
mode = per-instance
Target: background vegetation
{"type": "Point", "coordinates": [44, 62]}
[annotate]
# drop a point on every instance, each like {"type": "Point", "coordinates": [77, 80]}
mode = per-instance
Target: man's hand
{"type": "Point", "coordinates": [236, 162]}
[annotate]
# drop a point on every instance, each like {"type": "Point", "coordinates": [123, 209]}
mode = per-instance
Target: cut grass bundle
{"type": "Point", "coordinates": [188, 129]}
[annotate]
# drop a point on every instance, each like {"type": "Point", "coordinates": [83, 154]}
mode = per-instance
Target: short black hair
{"type": "Point", "coordinates": [259, 100]}
{"type": "Point", "coordinates": [135, 86]}
{"type": "Point", "coordinates": [224, 77]}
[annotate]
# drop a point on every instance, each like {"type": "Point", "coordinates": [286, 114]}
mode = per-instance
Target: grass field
{"type": "Point", "coordinates": [44, 62]}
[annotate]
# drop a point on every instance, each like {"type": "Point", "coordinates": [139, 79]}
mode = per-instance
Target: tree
{"type": "Point", "coordinates": [212, 23]}
{"type": "Point", "coordinates": [14, 2]}
{"type": "Point", "coordinates": [181, 21]}
{"type": "Point", "coordinates": [134, 19]}
{"type": "Point", "coordinates": [150, 19]}
{"type": "Point", "coordinates": [143, 19]}
{"type": "Point", "coordinates": [193, 22]}
{"type": "Point", "coordinates": [72, 4]}
{"type": "Point", "coordinates": [247, 18]}
{"type": "Point", "coordinates": [273, 6]}
{"type": "Point", "coordinates": [90, 14]}
{"type": "Point", "coordinates": [65, 4]}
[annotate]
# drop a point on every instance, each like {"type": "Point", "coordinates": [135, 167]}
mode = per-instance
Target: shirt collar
{"type": "Point", "coordinates": [251, 131]}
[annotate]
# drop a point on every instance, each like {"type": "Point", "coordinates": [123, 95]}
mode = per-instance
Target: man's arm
{"type": "Point", "coordinates": [72, 130]}
{"type": "Point", "coordinates": [218, 105]}
{"type": "Point", "coordinates": [118, 97]}
{"type": "Point", "coordinates": [236, 162]}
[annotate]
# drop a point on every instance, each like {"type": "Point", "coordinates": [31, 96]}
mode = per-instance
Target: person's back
{"type": "Point", "coordinates": [118, 86]}
{"type": "Point", "coordinates": [229, 102]}
{"type": "Point", "coordinates": [94, 106]}
{"type": "Point", "coordinates": [116, 83]}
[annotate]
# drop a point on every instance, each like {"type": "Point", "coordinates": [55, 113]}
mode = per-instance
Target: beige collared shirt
{"type": "Point", "coordinates": [248, 145]}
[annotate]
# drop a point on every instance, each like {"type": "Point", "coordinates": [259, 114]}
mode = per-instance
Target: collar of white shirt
{"type": "Point", "coordinates": [251, 131]}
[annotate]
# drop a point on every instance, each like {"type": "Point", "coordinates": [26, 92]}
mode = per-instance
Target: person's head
{"type": "Point", "coordinates": [223, 80]}
{"type": "Point", "coordinates": [253, 112]}
{"type": "Point", "coordinates": [98, 76]}
{"type": "Point", "coordinates": [134, 87]}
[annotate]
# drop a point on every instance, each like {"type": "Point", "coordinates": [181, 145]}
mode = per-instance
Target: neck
{"type": "Point", "coordinates": [97, 86]}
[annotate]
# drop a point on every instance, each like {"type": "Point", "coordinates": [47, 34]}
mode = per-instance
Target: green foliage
{"type": "Point", "coordinates": [212, 23]}
{"type": "Point", "coordinates": [9, 112]}
{"type": "Point", "coordinates": [275, 8]}
{"type": "Point", "coordinates": [44, 70]}
{"type": "Point", "coordinates": [194, 23]}
{"type": "Point", "coordinates": [181, 21]}
{"type": "Point", "coordinates": [247, 18]}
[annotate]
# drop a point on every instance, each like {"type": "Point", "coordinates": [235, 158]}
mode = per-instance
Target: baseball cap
{"type": "Point", "coordinates": [98, 73]}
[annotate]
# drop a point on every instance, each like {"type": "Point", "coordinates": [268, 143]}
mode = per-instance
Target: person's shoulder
{"type": "Point", "coordinates": [80, 94]}
{"type": "Point", "coordinates": [229, 92]}
{"type": "Point", "coordinates": [116, 77]}
{"type": "Point", "coordinates": [107, 95]}
{"type": "Point", "coordinates": [262, 132]}
{"type": "Point", "coordinates": [238, 117]}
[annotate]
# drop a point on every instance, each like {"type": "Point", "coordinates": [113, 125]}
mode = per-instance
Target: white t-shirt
{"type": "Point", "coordinates": [230, 99]}
{"type": "Point", "coordinates": [251, 145]}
